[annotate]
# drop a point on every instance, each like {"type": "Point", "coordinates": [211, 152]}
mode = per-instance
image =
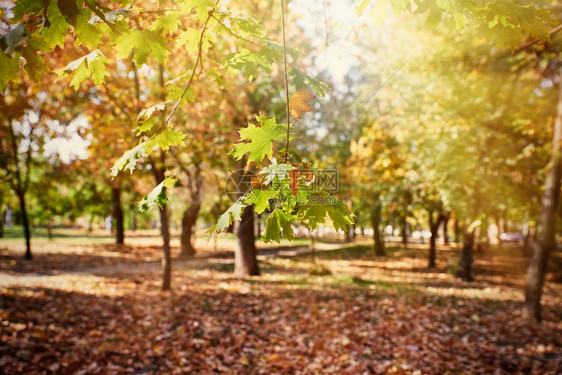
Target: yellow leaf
{"type": "Point", "coordinates": [298, 103]}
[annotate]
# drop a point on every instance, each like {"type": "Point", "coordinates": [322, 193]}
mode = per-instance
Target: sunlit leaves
{"type": "Point", "coordinates": [129, 159]}
{"type": "Point", "coordinates": [200, 7]}
{"type": "Point", "coordinates": [142, 43]}
{"type": "Point", "coordinates": [54, 34]}
{"type": "Point", "coordinates": [168, 23]}
{"type": "Point", "coordinates": [504, 22]}
{"type": "Point", "coordinates": [92, 65]}
{"type": "Point", "coordinates": [165, 139]}
{"type": "Point", "coordinates": [233, 213]}
{"type": "Point", "coordinates": [158, 195]}
{"type": "Point", "coordinates": [86, 33]}
{"type": "Point", "coordinates": [260, 140]}
{"type": "Point", "coordinates": [260, 199]}
{"type": "Point", "coordinates": [299, 102]}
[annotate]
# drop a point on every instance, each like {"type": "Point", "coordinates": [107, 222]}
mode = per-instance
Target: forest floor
{"type": "Point", "coordinates": [90, 307]}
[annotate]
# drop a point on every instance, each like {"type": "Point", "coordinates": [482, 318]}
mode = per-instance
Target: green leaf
{"type": "Point", "coordinates": [166, 24]}
{"type": "Point", "coordinates": [272, 230]}
{"type": "Point", "coordinates": [158, 195]}
{"type": "Point", "coordinates": [55, 33]}
{"type": "Point", "coordinates": [233, 213]}
{"type": "Point", "coordinates": [86, 33]}
{"type": "Point", "coordinates": [260, 199]}
{"type": "Point", "coordinates": [277, 221]}
{"type": "Point", "coordinates": [80, 75]}
{"type": "Point", "coordinates": [165, 139]}
{"type": "Point", "coordinates": [142, 43]}
{"type": "Point", "coordinates": [92, 65]}
{"type": "Point", "coordinates": [9, 70]}
{"type": "Point", "coordinates": [129, 159]}
{"type": "Point", "coordinates": [145, 126]}
{"type": "Point", "coordinates": [260, 139]}
{"type": "Point", "coordinates": [200, 7]}
{"type": "Point", "coordinates": [149, 112]}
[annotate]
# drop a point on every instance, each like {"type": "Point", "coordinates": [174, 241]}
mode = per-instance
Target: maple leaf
{"type": "Point", "coordinates": [165, 139]}
{"type": "Point", "coordinates": [278, 220]}
{"type": "Point", "coordinates": [86, 33]}
{"type": "Point", "coordinates": [299, 102]}
{"type": "Point", "coordinates": [143, 43]}
{"type": "Point", "coordinates": [158, 195]}
{"type": "Point", "coordinates": [260, 199]}
{"type": "Point", "coordinates": [129, 159]}
{"type": "Point", "coordinates": [54, 34]}
{"type": "Point", "coordinates": [260, 140]}
{"type": "Point", "coordinates": [233, 213]}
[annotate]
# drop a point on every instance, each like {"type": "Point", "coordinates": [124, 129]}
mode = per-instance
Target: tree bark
{"type": "Point", "coordinates": [167, 256]}
{"type": "Point", "coordinates": [189, 218]}
{"type": "Point", "coordinates": [117, 213]}
{"type": "Point", "coordinates": [188, 221]}
{"type": "Point", "coordinates": [25, 222]}
{"type": "Point", "coordinates": [546, 231]}
{"type": "Point", "coordinates": [245, 261]}
{"type": "Point", "coordinates": [376, 215]}
{"type": "Point", "coordinates": [434, 228]}
{"type": "Point", "coordinates": [465, 271]}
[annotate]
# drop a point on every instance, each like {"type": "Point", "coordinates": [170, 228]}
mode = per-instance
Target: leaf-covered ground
{"type": "Point", "coordinates": [101, 312]}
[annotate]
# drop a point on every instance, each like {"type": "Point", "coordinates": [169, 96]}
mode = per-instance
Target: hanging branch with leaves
{"type": "Point", "coordinates": [290, 192]}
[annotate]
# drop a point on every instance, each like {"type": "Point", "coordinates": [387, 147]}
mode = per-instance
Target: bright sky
{"type": "Point", "coordinates": [337, 19]}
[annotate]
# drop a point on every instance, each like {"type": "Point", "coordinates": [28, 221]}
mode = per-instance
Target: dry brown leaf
{"type": "Point", "coordinates": [299, 102]}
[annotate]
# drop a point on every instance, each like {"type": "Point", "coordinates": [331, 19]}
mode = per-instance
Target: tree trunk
{"type": "Point", "coordinates": [465, 271]}
{"type": "Point", "coordinates": [188, 221]}
{"type": "Point", "coordinates": [245, 261]}
{"type": "Point", "coordinates": [404, 231]}
{"type": "Point", "coordinates": [117, 213]}
{"type": "Point", "coordinates": [25, 222]}
{"type": "Point", "coordinates": [434, 228]}
{"type": "Point", "coordinates": [376, 221]}
{"type": "Point", "coordinates": [49, 231]}
{"type": "Point", "coordinates": [167, 256]}
{"type": "Point", "coordinates": [445, 226]}
{"type": "Point", "coordinates": [546, 231]}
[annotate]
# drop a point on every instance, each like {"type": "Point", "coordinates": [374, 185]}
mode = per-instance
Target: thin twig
{"type": "Point", "coordinates": [286, 81]}
{"type": "Point", "coordinates": [197, 61]}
